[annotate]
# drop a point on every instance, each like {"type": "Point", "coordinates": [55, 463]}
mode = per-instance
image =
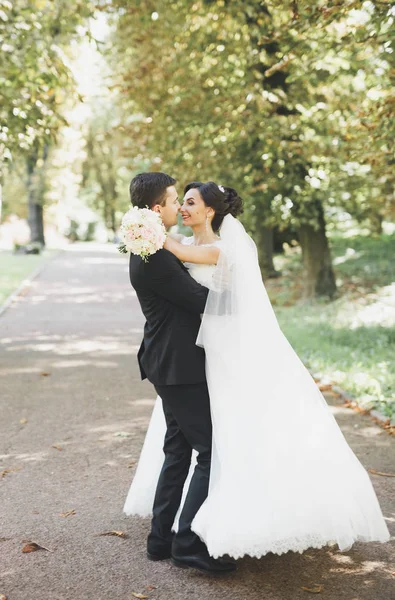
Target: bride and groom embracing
{"type": "Point", "coordinates": [216, 474]}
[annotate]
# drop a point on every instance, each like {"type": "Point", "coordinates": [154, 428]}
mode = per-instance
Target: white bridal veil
{"type": "Point", "coordinates": [283, 477]}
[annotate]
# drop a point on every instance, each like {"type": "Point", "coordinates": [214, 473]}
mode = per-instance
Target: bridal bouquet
{"type": "Point", "coordinates": [142, 231]}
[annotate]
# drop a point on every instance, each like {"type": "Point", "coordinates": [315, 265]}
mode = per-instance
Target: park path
{"type": "Point", "coordinates": [73, 415]}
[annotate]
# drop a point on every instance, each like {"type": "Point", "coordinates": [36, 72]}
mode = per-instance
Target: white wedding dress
{"type": "Point", "coordinates": [283, 477]}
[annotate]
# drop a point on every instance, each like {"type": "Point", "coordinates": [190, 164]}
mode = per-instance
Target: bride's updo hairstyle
{"type": "Point", "coordinates": [223, 200]}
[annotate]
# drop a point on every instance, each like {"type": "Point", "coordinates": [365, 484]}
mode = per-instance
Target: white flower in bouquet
{"type": "Point", "coordinates": [142, 231]}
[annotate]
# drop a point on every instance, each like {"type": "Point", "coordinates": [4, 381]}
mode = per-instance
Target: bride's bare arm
{"type": "Point", "coordinates": [206, 255]}
{"type": "Point", "coordinates": [175, 236]}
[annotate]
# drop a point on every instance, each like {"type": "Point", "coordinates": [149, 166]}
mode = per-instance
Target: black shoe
{"type": "Point", "coordinates": [155, 556]}
{"type": "Point", "coordinates": [227, 560]}
{"type": "Point", "coordinates": [203, 563]}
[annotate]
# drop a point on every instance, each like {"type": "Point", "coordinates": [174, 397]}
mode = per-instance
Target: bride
{"type": "Point", "coordinates": [272, 489]}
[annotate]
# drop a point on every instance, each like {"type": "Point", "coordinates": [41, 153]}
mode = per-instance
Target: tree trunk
{"type": "Point", "coordinates": [112, 184]}
{"type": "Point", "coordinates": [319, 278]}
{"type": "Point", "coordinates": [264, 242]}
{"type": "Point", "coordinates": [35, 208]}
{"type": "Point", "coordinates": [376, 223]}
{"type": "Point", "coordinates": [113, 221]}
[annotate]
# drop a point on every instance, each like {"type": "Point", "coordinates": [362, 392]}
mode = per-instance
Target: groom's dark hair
{"type": "Point", "coordinates": [148, 189]}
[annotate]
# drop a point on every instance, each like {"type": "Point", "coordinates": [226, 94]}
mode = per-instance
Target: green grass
{"type": "Point", "coordinates": [350, 341]}
{"type": "Point", "coordinates": [15, 268]}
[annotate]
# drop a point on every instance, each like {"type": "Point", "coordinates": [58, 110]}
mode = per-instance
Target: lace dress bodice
{"type": "Point", "coordinates": [203, 274]}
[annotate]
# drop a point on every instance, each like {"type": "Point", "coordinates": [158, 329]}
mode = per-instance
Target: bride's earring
{"type": "Point", "coordinates": [208, 222]}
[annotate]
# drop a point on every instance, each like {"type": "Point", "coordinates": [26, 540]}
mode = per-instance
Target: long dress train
{"type": "Point", "coordinates": [283, 476]}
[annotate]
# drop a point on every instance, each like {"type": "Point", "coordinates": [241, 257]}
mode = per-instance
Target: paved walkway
{"type": "Point", "coordinates": [73, 415]}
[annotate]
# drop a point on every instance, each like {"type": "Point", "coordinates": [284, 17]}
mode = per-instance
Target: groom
{"type": "Point", "coordinates": [172, 303]}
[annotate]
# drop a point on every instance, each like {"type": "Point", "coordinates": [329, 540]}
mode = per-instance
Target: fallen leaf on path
{"type": "Point", "coordinates": [381, 473]}
{"type": "Point", "coordinates": [23, 421]}
{"type": "Point", "coordinates": [3, 597]}
{"type": "Point", "coordinates": [123, 434]}
{"type": "Point", "coordinates": [385, 425]}
{"type": "Point", "coordinates": [45, 374]}
{"type": "Point", "coordinates": [5, 539]}
{"type": "Point", "coordinates": [120, 534]}
{"type": "Point", "coordinates": [324, 387]}
{"type": "Point", "coordinates": [317, 589]}
{"type": "Point", "coordinates": [331, 394]}
{"type": "Point", "coordinates": [140, 596]}
{"type": "Point", "coordinates": [57, 447]}
{"type": "Point", "coordinates": [68, 513]}
{"type": "Point", "coordinates": [132, 464]}
{"type": "Point", "coordinates": [33, 547]}
{"type": "Point", "coordinates": [6, 471]}
{"type": "Point", "coordinates": [358, 409]}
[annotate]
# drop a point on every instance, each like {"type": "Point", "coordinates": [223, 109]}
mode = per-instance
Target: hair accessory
{"type": "Point", "coordinates": [221, 187]}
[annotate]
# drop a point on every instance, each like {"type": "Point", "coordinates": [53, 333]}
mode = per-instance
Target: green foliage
{"type": "Point", "coordinates": [105, 177]}
{"type": "Point", "coordinates": [73, 233]}
{"type": "Point", "coordinates": [350, 341]}
{"type": "Point", "coordinates": [15, 268]}
{"type": "Point", "coordinates": [365, 262]}
{"type": "Point", "coordinates": [34, 78]}
{"type": "Point", "coordinates": [90, 231]}
{"type": "Point", "coordinates": [284, 100]}
{"type": "Point", "coordinates": [362, 265]}
{"type": "Point", "coordinates": [359, 360]}
{"type": "Point", "coordinates": [14, 191]}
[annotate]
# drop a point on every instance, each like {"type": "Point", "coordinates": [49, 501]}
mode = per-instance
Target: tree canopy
{"type": "Point", "coordinates": [290, 102]}
{"type": "Point", "coordinates": [34, 76]}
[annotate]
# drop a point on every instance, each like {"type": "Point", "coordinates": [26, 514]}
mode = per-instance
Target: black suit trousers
{"type": "Point", "coordinates": [187, 413]}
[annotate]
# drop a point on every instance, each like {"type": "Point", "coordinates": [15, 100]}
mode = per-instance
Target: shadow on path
{"type": "Point", "coordinates": [73, 418]}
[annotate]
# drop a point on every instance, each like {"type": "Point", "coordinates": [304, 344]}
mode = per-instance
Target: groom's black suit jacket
{"type": "Point", "coordinates": [172, 302]}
